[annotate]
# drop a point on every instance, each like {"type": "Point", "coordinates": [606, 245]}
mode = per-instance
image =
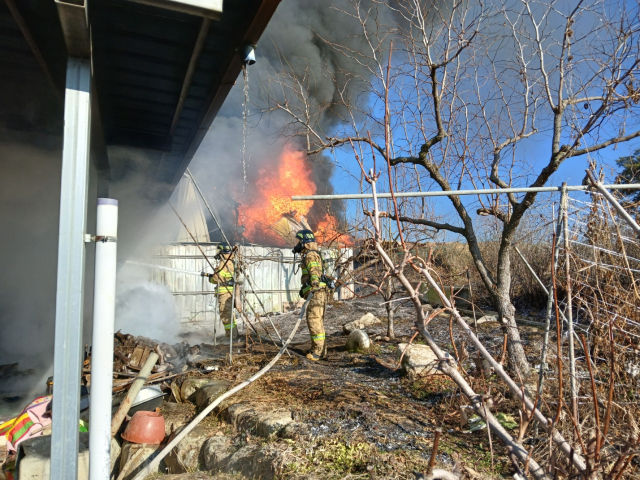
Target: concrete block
{"type": "Point", "coordinates": [135, 456]}
{"type": "Point", "coordinates": [35, 458]}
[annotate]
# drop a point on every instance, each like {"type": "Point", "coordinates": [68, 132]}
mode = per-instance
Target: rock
{"type": "Point", "coordinates": [242, 416]}
{"type": "Point", "coordinates": [483, 367]}
{"type": "Point", "coordinates": [418, 360]}
{"type": "Point", "coordinates": [272, 423]}
{"type": "Point", "coordinates": [486, 319]}
{"type": "Point", "coordinates": [212, 390]}
{"type": "Point", "coordinates": [187, 455]}
{"type": "Point", "coordinates": [189, 476]}
{"type": "Point", "coordinates": [252, 462]}
{"type": "Point", "coordinates": [295, 430]}
{"type": "Point", "coordinates": [385, 339]}
{"type": "Point", "coordinates": [176, 416]}
{"type": "Point", "coordinates": [358, 341]}
{"type": "Point", "coordinates": [216, 452]}
{"type": "Point", "coordinates": [366, 320]}
{"type": "Point", "coordinates": [135, 457]}
{"type": "Point", "coordinates": [190, 386]}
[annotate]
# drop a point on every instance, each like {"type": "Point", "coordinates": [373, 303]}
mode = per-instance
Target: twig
{"type": "Point", "coordinates": [434, 451]}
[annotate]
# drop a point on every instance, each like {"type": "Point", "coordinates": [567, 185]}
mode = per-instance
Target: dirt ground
{"type": "Point", "coordinates": [360, 418]}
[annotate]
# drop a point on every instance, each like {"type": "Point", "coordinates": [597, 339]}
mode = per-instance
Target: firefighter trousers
{"type": "Point", "coordinates": [226, 315]}
{"type": "Point", "coordinates": [315, 321]}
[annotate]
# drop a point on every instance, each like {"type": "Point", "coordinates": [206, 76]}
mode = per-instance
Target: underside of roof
{"type": "Point", "coordinates": [160, 75]}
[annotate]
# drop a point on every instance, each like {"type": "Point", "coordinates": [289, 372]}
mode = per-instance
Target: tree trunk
{"type": "Point", "coordinates": [390, 314]}
{"type": "Point", "coordinates": [507, 312]}
{"type": "Point", "coordinates": [390, 310]}
{"type": "Point", "coordinates": [515, 349]}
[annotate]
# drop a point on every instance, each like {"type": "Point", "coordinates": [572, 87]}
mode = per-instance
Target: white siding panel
{"type": "Point", "coordinates": [275, 279]}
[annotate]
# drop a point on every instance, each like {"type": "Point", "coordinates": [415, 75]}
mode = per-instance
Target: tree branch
{"type": "Point", "coordinates": [600, 146]}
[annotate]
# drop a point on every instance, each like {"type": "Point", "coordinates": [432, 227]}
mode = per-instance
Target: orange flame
{"type": "Point", "coordinates": [271, 200]}
{"type": "Point", "coordinates": [328, 233]}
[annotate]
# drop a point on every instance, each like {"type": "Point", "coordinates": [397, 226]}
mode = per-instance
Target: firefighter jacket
{"type": "Point", "coordinates": [223, 276]}
{"type": "Point", "coordinates": [312, 271]}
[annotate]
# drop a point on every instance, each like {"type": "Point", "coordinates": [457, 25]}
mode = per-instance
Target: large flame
{"type": "Point", "coordinates": [328, 233]}
{"type": "Point", "coordinates": [272, 198]}
{"type": "Point", "coordinates": [271, 203]}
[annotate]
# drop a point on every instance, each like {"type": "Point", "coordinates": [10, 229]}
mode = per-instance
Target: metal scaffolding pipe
{"type": "Point", "coordinates": [610, 198]}
{"type": "Point", "coordinates": [104, 301]}
{"type": "Point", "coordinates": [485, 191]}
{"type": "Point", "coordinates": [67, 361]}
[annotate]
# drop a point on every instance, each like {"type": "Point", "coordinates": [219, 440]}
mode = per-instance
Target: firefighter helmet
{"type": "Point", "coordinates": [224, 248]}
{"type": "Point", "coordinates": [305, 236]}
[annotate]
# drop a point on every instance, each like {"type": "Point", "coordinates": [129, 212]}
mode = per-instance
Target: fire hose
{"type": "Point", "coordinates": [153, 465]}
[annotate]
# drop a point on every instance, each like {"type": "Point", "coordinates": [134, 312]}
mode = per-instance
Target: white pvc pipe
{"type": "Point", "coordinates": [104, 297]}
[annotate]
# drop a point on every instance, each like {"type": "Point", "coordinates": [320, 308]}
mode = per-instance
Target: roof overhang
{"type": "Point", "coordinates": [161, 68]}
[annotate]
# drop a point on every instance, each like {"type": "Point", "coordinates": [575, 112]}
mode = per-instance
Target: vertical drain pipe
{"type": "Point", "coordinates": [104, 297]}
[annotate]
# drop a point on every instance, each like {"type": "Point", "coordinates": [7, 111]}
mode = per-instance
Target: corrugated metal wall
{"type": "Point", "coordinates": [271, 279]}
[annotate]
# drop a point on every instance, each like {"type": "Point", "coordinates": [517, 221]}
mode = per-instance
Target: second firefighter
{"type": "Point", "coordinates": [224, 278]}
{"type": "Point", "coordinates": [313, 281]}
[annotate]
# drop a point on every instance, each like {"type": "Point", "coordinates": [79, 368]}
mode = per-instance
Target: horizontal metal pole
{"type": "Point", "coordinates": [485, 191]}
{"type": "Point", "coordinates": [256, 292]}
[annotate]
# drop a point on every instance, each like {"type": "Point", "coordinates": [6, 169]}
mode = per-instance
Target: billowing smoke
{"type": "Point", "coordinates": [294, 43]}
{"type": "Point", "coordinates": [30, 187]}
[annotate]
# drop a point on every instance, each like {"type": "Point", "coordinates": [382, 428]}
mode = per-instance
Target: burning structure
{"type": "Point", "coordinates": [97, 92]}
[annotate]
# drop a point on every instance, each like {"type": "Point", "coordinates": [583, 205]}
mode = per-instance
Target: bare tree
{"type": "Point", "coordinates": [465, 94]}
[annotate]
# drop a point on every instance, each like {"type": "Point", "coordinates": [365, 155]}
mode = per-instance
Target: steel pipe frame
{"type": "Point", "coordinates": [485, 191]}
{"type": "Point", "coordinates": [67, 364]}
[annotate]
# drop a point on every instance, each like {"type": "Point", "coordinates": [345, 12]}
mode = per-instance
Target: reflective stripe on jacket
{"type": "Point", "coordinates": [223, 276]}
{"type": "Point", "coordinates": [312, 271]}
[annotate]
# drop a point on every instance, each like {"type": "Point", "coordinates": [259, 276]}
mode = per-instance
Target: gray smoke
{"type": "Point", "coordinates": [294, 42]}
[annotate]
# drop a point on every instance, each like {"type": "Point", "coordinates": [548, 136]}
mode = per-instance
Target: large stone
{"type": "Point", "coordinates": [251, 461]}
{"type": "Point", "coordinates": [212, 390]}
{"type": "Point", "coordinates": [484, 319]}
{"type": "Point", "coordinates": [35, 460]}
{"type": "Point", "coordinates": [367, 320]}
{"type": "Point", "coordinates": [242, 416]}
{"type": "Point", "coordinates": [272, 423]}
{"type": "Point", "coordinates": [358, 341]}
{"type": "Point", "coordinates": [187, 456]}
{"type": "Point", "coordinates": [216, 452]}
{"type": "Point", "coordinates": [190, 476]}
{"type": "Point", "coordinates": [176, 416]}
{"type": "Point", "coordinates": [136, 456]}
{"type": "Point", "coordinates": [295, 430]}
{"type": "Point", "coordinates": [418, 360]}
{"type": "Point", "coordinates": [190, 386]}
{"type": "Point", "coordinates": [462, 296]}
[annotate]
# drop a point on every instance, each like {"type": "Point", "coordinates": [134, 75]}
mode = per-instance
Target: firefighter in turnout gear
{"type": "Point", "coordinates": [224, 278]}
{"type": "Point", "coordinates": [312, 281]}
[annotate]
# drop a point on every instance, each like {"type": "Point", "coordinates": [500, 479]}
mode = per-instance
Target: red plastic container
{"type": "Point", "coordinates": [145, 427]}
